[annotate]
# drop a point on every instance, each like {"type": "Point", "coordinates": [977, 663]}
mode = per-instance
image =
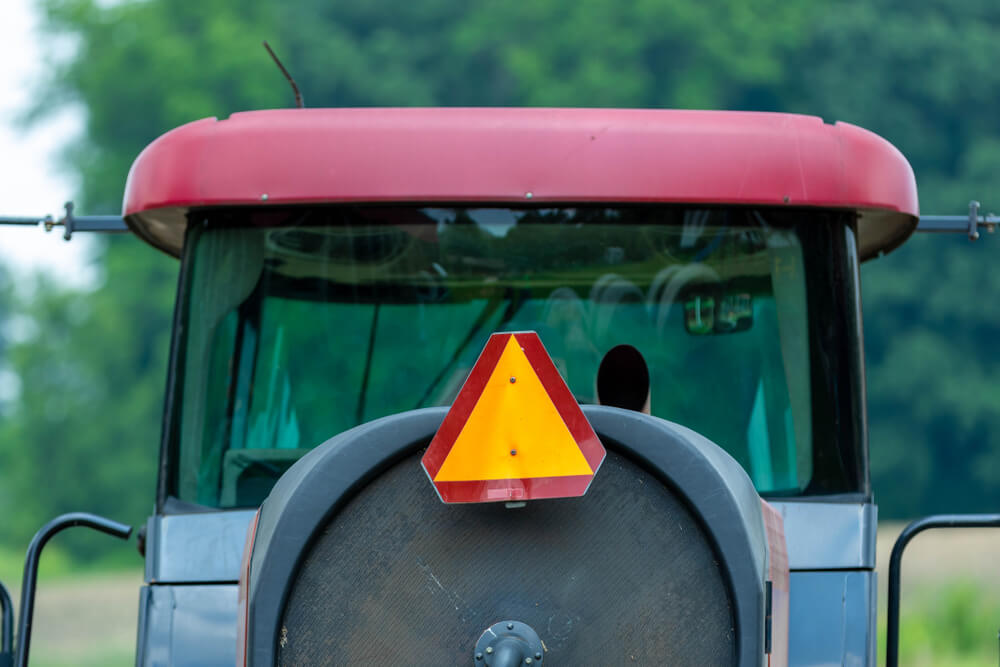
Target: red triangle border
{"type": "Point", "coordinates": [507, 490]}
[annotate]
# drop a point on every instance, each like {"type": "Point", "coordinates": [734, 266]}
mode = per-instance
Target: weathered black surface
{"type": "Point", "coordinates": [623, 575]}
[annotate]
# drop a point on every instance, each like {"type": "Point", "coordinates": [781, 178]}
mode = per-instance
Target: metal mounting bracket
{"type": "Point", "coordinates": [969, 224]}
{"type": "Point", "coordinates": [107, 224]}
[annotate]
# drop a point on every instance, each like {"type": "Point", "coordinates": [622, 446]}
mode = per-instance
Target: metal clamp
{"type": "Point", "coordinates": [973, 228]}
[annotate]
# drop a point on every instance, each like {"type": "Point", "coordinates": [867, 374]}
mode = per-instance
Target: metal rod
{"type": "Point", "coordinates": [31, 559]}
{"type": "Point", "coordinates": [108, 224]}
{"type": "Point", "coordinates": [31, 222]}
{"type": "Point", "coordinates": [7, 626]}
{"type": "Point", "coordinates": [952, 223]}
{"type": "Point", "coordinates": [295, 87]}
{"type": "Point", "coordinates": [896, 560]}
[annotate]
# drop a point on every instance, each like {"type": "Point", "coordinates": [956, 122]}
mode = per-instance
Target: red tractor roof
{"type": "Point", "coordinates": [523, 156]}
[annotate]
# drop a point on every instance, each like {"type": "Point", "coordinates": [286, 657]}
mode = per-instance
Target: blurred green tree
{"type": "Point", "coordinates": [924, 76]}
{"type": "Point", "coordinates": [82, 432]}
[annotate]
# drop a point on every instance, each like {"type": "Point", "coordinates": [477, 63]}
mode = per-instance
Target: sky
{"type": "Point", "coordinates": [32, 182]}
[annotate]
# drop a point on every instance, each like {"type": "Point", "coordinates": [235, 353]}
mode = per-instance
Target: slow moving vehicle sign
{"type": "Point", "coordinates": [515, 432]}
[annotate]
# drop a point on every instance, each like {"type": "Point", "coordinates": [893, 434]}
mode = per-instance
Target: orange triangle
{"type": "Point", "coordinates": [510, 417]}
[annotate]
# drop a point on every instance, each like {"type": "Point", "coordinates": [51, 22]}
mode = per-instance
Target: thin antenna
{"type": "Point", "coordinates": [295, 88]}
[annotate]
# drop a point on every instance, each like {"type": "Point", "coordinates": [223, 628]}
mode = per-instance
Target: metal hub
{"type": "Point", "coordinates": [507, 644]}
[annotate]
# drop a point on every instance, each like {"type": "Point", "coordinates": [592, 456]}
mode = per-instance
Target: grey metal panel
{"type": "Point", "coordinates": [831, 619]}
{"type": "Point", "coordinates": [187, 625]}
{"type": "Point", "coordinates": [829, 536]}
{"type": "Point", "coordinates": [188, 548]}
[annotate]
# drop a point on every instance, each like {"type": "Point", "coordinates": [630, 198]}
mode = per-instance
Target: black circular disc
{"type": "Point", "coordinates": [622, 575]}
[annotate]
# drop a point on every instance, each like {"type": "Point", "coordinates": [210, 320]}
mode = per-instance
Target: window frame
{"type": "Point", "coordinates": [839, 419]}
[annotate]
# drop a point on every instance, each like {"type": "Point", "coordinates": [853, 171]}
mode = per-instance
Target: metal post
{"type": "Point", "coordinates": [896, 560]}
{"type": "Point", "coordinates": [6, 627]}
{"type": "Point", "coordinates": [38, 542]}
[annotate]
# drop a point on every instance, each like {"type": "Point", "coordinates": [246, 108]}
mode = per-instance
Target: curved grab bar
{"type": "Point", "coordinates": [30, 580]}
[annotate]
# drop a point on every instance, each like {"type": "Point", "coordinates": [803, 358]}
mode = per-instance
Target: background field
{"type": "Point", "coordinates": [951, 604]}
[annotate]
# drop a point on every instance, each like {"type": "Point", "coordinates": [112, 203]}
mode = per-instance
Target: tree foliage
{"type": "Point", "coordinates": [85, 425]}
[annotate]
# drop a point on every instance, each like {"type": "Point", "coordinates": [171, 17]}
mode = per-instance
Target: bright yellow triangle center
{"type": "Point", "coordinates": [513, 416]}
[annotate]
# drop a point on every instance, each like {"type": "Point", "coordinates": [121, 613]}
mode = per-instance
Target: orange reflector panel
{"type": "Point", "coordinates": [515, 432]}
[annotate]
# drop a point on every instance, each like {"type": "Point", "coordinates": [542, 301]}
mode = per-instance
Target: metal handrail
{"type": "Point", "coordinates": [31, 559]}
{"type": "Point", "coordinates": [896, 562]}
{"type": "Point", "coordinates": [7, 625]}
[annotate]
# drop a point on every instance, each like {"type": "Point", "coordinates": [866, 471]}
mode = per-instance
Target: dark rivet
{"type": "Point", "coordinates": [538, 656]}
{"type": "Point", "coordinates": [513, 379]}
{"type": "Point", "coordinates": [510, 626]}
{"type": "Point", "coordinates": [513, 452]}
{"type": "Point", "coordinates": [479, 656]}
{"type": "Point", "coordinates": [489, 649]}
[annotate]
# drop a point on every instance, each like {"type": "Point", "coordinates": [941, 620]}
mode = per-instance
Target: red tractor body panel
{"type": "Point", "coordinates": [302, 156]}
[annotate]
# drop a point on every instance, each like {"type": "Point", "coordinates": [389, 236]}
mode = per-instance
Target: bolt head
{"type": "Point", "coordinates": [527, 661]}
{"type": "Point", "coordinates": [538, 656]}
{"type": "Point", "coordinates": [513, 452]}
{"type": "Point", "coordinates": [479, 656]}
{"type": "Point", "coordinates": [510, 626]}
{"type": "Point", "coordinates": [513, 379]}
{"type": "Point", "coordinates": [489, 649]}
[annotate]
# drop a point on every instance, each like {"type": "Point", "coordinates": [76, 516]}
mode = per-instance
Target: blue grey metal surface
{"type": "Point", "coordinates": [832, 619]}
{"type": "Point", "coordinates": [829, 536]}
{"type": "Point", "coordinates": [187, 625]}
{"type": "Point", "coordinates": [196, 624]}
{"type": "Point", "coordinates": [192, 548]}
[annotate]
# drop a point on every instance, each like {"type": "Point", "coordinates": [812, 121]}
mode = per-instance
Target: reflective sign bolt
{"type": "Point", "coordinates": [513, 379]}
{"type": "Point", "coordinates": [510, 626]}
{"type": "Point", "coordinates": [489, 649]}
{"type": "Point", "coordinates": [479, 656]}
{"type": "Point", "coordinates": [538, 656]}
{"type": "Point", "coordinates": [527, 661]}
{"type": "Point", "coordinates": [513, 452]}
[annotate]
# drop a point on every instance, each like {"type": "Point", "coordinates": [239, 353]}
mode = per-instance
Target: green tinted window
{"type": "Point", "coordinates": [299, 332]}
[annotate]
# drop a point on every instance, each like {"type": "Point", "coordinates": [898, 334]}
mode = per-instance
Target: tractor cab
{"type": "Point", "coordinates": [693, 278]}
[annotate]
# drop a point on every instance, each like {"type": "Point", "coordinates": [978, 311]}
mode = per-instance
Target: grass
{"type": "Point", "coordinates": [55, 564]}
{"type": "Point", "coordinates": [952, 623]}
{"type": "Point", "coordinates": [950, 611]}
{"type": "Point", "coordinates": [84, 615]}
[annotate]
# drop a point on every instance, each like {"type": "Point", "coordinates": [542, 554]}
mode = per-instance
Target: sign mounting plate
{"type": "Point", "coordinates": [515, 432]}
